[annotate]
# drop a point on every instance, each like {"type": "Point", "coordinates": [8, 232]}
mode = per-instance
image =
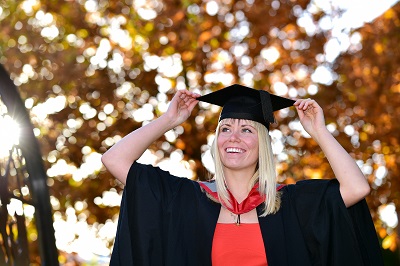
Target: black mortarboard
{"type": "Point", "coordinates": [246, 103]}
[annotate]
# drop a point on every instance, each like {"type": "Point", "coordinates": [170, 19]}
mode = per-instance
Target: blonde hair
{"type": "Point", "coordinates": [265, 175]}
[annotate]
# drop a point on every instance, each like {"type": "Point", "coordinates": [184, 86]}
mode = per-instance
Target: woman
{"type": "Point", "coordinates": [242, 217]}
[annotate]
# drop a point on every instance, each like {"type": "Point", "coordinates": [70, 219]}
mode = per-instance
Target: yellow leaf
{"type": "Point", "coordinates": [363, 136]}
{"type": "Point", "coordinates": [378, 48]}
{"type": "Point", "coordinates": [388, 241]}
{"type": "Point", "coordinates": [389, 14]}
{"type": "Point", "coordinates": [395, 88]}
{"type": "Point", "coordinates": [382, 232]}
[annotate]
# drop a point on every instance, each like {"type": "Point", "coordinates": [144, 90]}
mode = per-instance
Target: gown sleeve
{"type": "Point", "coordinates": [147, 193]}
{"type": "Point", "coordinates": [164, 220]}
{"type": "Point", "coordinates": [334, 234]}
{"type": "Point", "coordinates": [122, 251]}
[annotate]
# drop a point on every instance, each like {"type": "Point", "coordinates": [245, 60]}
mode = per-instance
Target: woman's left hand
{"type": "Point", "coordinates": [311, 116]}
{"type": "Point", "coordinates": [353, 185]}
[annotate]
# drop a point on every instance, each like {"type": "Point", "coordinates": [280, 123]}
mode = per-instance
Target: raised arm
{"type": "Point", "coordinates": [353, 184]}
{"type": "Point", "coordinates": [119, 158]}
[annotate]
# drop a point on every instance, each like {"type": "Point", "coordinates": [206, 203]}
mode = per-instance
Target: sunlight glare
{"type": "Point", "coordinates": [9, 134]}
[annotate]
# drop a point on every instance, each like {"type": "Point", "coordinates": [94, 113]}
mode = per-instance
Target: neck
{"type": "Point", "coordinates": [238, 183]}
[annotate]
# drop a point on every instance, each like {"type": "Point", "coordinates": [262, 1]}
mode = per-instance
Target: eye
{"type": "Point", "coordinates": [224, 129]}
{"type": "Point", "coordinates": [247, 130]}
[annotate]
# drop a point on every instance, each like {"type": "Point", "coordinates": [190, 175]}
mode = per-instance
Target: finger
{"type": "Point", "coordinates": [297, 102]}
{"type": "Point", "coordinates": [182, 94]}
{"type": "Point", "coordinates": [192, 104]}
{"type": "Point", "coordinates": [185, 97]}
{"type": "Point", "coordinates": [308, 103]}
{"type": "Point", "coordinates": [301, 103]}
{"type": "Point", "coordinates": [189, 100]}
{"type": "Point", "coordinates": [188, 95]}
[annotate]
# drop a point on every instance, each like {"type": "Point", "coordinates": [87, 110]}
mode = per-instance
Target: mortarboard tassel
{"type": "Point", "coordinates": [266, 106]}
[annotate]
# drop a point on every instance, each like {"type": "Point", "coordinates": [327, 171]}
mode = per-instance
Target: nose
{"type": "Point", "coordinates": [235, 136]}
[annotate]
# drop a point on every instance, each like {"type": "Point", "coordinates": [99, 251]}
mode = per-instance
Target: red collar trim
{"type": "Point", "coordinates": [252, 201]}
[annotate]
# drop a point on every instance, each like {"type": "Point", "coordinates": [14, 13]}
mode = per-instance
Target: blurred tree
{"type": "Point", "coordinates": [92, 71]}
{"type": "Point", "coordinates": [369, 92]}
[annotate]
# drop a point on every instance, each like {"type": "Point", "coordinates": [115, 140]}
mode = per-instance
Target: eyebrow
{"type": "Point", "coordinates": [242, 125]}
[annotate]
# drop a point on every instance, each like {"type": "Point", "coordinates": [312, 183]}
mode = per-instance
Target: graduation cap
{"type": "Point", "coordinates": [242, 102]}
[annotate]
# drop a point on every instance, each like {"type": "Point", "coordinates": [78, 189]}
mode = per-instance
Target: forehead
{"type": "Point", "coordinates": [235, 121]}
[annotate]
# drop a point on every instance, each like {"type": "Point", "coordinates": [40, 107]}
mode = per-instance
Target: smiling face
{"type": "Point", "coordinates": [238, 145]}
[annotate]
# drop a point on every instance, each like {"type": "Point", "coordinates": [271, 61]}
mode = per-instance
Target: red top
{"type": "Point", "coordinates": [238, 245]}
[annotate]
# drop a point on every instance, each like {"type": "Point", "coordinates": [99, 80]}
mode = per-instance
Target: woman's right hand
{"type": "Point", "coordinates": [119, 158]}
{"type": "Point", "coordinates": [181, 107]}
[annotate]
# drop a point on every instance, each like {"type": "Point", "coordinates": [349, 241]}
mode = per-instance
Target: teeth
{"type": "Point", "coordinates": [234, 150]}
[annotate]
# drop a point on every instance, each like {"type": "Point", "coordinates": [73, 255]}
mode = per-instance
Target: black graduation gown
{"type": "Point", "coordinates": [167, 220]}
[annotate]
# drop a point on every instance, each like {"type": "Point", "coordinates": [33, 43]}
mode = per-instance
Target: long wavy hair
{"type": "Point", "coordinates": [265, 173]}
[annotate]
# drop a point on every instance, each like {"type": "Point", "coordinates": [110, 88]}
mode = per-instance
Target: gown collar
{"type": "Point", "coordinates": [253, 200]}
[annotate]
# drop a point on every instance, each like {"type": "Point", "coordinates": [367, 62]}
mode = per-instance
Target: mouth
{"type": "Point", "coordinates": [234, 150]}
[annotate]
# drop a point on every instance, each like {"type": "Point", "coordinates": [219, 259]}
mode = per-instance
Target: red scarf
{"type": "Point", "coordinates": [252, 201]}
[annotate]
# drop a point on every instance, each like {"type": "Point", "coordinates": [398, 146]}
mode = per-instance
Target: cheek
{"type": "Point", "coordinates": [222, 138]}
{"type": "Point", "coordinates": [220, 142]}
{"type": "Point", "coordinates": [253, 144]}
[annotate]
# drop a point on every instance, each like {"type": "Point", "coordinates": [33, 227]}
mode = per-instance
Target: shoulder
{"type": "Point", "coordinates": [150, 174]}
{"type": "Point", "coordinates": [312, 187]}
{"type": "Point", "coordinates": [312, 193]}
{"type": "Point", "coordinates": [141, 168]}
{"type": "Point", "coordinates": [312, 184]}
